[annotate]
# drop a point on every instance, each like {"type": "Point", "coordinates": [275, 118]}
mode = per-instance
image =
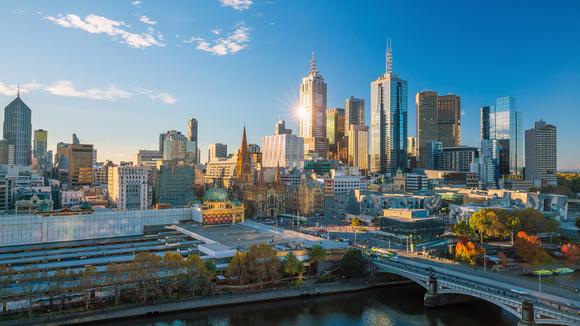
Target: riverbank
{"type": "Point", "coordinates": [152, 310]}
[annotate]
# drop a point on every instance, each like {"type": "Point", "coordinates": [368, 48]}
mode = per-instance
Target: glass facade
{"type": "Point", "coordinates": [506, 124]}
{"type": "Point", "coordinates": [18, 130]}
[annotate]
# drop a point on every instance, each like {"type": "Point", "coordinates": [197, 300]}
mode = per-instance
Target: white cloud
{"type": "Point", "coordinates": [101, 25]}
{"type": "Point", "coordinates": [12, 90]}
{"type": "Point", "coordinates": [232, 44]}
{"type": "Point", "coordinates": [216, 31]}
{"type": "Point", "coordinates": [163, 96]}
{"type": "Point", "coordinates": [147, 20]}
{"type": "Point", "coordinates": [66, 88]}
{"type": "Point", "coordinates": [136, 3]}
{"type": "Point", "coordinates": [240, 5]}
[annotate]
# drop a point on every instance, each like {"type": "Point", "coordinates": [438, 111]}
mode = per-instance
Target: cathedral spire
{"type": "Point", "coordinates": [244, 146]}
{"type": "Point", "coordinates": [389, 56]}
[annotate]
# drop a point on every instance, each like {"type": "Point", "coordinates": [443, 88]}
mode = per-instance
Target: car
{"type": "Point", "coordinates": [519, 291]}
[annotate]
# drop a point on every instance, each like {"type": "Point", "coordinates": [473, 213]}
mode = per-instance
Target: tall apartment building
{"type": "Point", "coordinates": [18, 130]}
{"type": "Point", "coordinates": [128, 187]}
{"type": "Point", "coordinates": [427, 126]}
{"type": "Point", "coordinates": [484, 132]}
{"type": "Point", "coordinates": [358, 147]}
{"type": "Point", "coordinates": [541, 154]}
{"type": "Point", "coordinates": [388, 129]}
{"type": "Point", "coordinates": [313, 112]}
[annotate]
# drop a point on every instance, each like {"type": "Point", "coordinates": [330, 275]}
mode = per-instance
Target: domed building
{"type": "Point", "coordinates": [217, 208]}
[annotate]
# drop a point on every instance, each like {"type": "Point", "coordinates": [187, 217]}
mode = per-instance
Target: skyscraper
{"type": "Point", "coordinates": [541, 154]}
{"type": "Point", "coordinates": [176, 146]}
{"type": "Point", "coordinates": [427, 126]}
{"type": "Point", "coordinates": [358, 147]}
{"type": "Point", "coordinates": [192, 130]}
{"type": "Point", "coordinates": [75, 164]}
{"type": "Point", "coordinates": [18, 130]}
{"type": "Point", "coordinates": [280, 128]}
{"type": "Point", "coordinates": [449, 120]}
{"type": "Point", "coordinates": [388, 122]}
{"type": "Point", "coordinates": [485, 125]}
{"type": "Point", "coordinates": [39, 150]}
{"type": "Point", "coordinates": [354, 112]}
{"type": "Point", "coordinates": [334, 128]}
{"type": "Point", "coordinates": [506, 125]}
{"type": "Point", "coordinates": [488, 164]}
{"type": "Point", "coordinates": [313, 112]}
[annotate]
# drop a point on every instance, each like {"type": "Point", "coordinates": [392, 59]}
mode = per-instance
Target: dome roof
{"type": "Point", "coordinates": [215, 194]}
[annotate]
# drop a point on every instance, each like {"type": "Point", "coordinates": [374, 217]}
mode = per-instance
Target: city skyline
{"type": "Point", "coordinates": [68, 83]}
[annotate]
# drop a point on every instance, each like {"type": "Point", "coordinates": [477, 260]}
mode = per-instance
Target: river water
{"type": "Point", "coordinates": [385, 306]}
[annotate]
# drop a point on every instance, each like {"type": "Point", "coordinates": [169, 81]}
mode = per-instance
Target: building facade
{"type": "Point", "coordinates": [354, 112]}
{"type": "Point", "coordinates": [459, 158]}
{"type": "Point", "coordinates": [334, 129]}
{"type": "Point", "coordinates": [74, 163]}
{"type": "Point", "coordinates": [388, 129]}
{"type": "Point", "coordinates": [128, 187]}
{"type": "Point", "coordinates": [358, 147]}
{"type": "Point", "coordinates": [541, 154]}
{"type": "Point", "coordinates": [174, 186]}
{"type": "Point", "coordinates": [506, 124]}
{"type": "Point", "coordinates": [449, 120]}
{"type": "Point", "coordinates": [176, 146]}
{"type": "Point", "coordinates": [282, 149]}
{"type": "Point", "coordinates": [216, 151]}
{"type": "Point", "coordinates": [427, 126]}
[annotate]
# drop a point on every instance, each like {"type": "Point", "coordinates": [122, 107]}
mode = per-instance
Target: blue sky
{"type": "Point", "coordinates": [118, 73]}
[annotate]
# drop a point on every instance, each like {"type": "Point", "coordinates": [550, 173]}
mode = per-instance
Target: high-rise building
{"type": "Point", "coordinates": [148, 157]}
{"type": "Point", "coordinates": [485, 125]}
{"type": "Point", "coordinates": [4, 151]}
{"type": "Point", "coordinates": [488, 164]}
{"type": "Point", "coordinates": [282, 149]}
{"type": "Point", "coordinates": [506, 124]}
{"type": "Point", "coordinates": [541, 154]}
{"type": "Point", "coordinates": [128, 187]}
{"type": "Point", "coordinates": [280, 128]}
{"type": "Point", "coordinates": [75, 139]}
{"type": "Point", "coordinates": [449, 120]}
{"type": "Point", "coordinates": [427, 126]}
{"type": "Point", "coordinates": [216, 151]}
{"type": "Point", "coordinates": [358, 147]}
{"type": "Point", "coordinates": [459, 158]}
{"type": "Point", "coordinates": [174, 185]}
{"type": "Point", "coordinates": [41, 159]}
{"type": "Point", "coordinates": [334, 128]}
{"type": "Point", "coordinates": [18, 130]}
{"type": "Point", "coordinates": [388, 130]}
{"type": "Point", "coordinates": [433, 155]}
{"type": "Point", "coordinates": [192, 130]}
{"type": "Point", "coordinates": [354, 112]}
{"type": "Point", "coordinates": [175, 146]}
{"type": "Point", "coordinates": [313, 112]}
{"type": "Point", "coordinates": [412, 146]}
{"type": "Point", "coordinates": [75, 164]}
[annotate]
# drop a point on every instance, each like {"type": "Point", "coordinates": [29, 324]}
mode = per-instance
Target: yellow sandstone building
{"type": "Point", "coordinates": [218, 209]}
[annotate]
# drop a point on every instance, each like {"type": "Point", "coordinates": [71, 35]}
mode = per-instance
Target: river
{"type": "Point", "coordinates": [385, 306]}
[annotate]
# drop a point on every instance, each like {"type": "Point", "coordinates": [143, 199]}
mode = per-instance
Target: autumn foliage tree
{"type": "Point", "coordinates": [571, 251]}
{"type": "Point", "coordinates": [528, 248]}
{"type": "Point", "coordinates": [466, 251]}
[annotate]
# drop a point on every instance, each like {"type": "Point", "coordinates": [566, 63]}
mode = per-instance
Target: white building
{"type": "Point", "coordinates": [284, 150]}
{"type": "Point", "coordinates": [70, 198]}
{"type": "Point", "coordinates": [128, 187]}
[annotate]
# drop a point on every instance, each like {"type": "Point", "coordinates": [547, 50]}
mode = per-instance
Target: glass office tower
{"type": "Point", "coordinates": [506, 124]}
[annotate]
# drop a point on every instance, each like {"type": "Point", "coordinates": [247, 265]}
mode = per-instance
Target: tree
{"type": "Point", "coordinates": [481, 223]}
{"type": "Point", "coordinates": [466, 251]}
{"type": "Point", "coordinates": [356, 222]}
{"type": "Point", "coordinates": [6, 275]}
{"type": "Point", "coordinates": [116, 274]}
{"type": "Point", "coordinates": [144, 270]}
{"type": "Point", "coordinates": [198, 274]}
{"type": "Point", "coordinates": [293, 266]}
{"type": "Point", "coordinates": [86, 283]}
{"type": "Point", "coordinates": [239, 267]}
{"type": "Point", "coordinates": [172, 263]}
{"type": "Point", "coordinates": [462, 229]}
{"type": "Point", "coordinates": [571, 251]}
{"type": "Point", "coordinates": [528, 248]}
{"type": "Point", "coordinates": [353, 263]}
{"type": "Point", "coordinates": [263, 263]}
{"type": "Point", "coordinates": [317, 254]}
{"type": "Point", "coordinates": [376, 221]}
{"type": "Point", "coordinates": [512, 225]}
{"type": "Point", "coordinates": [532, 221]}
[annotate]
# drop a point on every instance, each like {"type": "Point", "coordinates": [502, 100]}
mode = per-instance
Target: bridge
{"type": "Point", "coordinates": [448, 284]}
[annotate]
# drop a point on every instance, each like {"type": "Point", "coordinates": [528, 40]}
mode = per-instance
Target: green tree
{"type": "Point", "coordinates": [144, 271]}
{"type": "Point", "coordinates": [486, 223]}
{"type": "Point", "coordinates": [264, 264]}
{"type": "Point", "coordinates": [512, 224]}
{"type": "Point", "coordinates": [293, 266]}
{"type": "Point", "coordinates": [353, 263]}
{"type": "Point", "coordinates": [172, 264]}
{"type": "Point", "coordinates": [462, 229]}
{"type": "Point", "coordinates": [355, 222]}
{"type": "Point", "coordinates": [198, 274]}
{"type": "Point", "coordinates": [239, 267]}
{"type": "Point", "coordinates": [317, 254]}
